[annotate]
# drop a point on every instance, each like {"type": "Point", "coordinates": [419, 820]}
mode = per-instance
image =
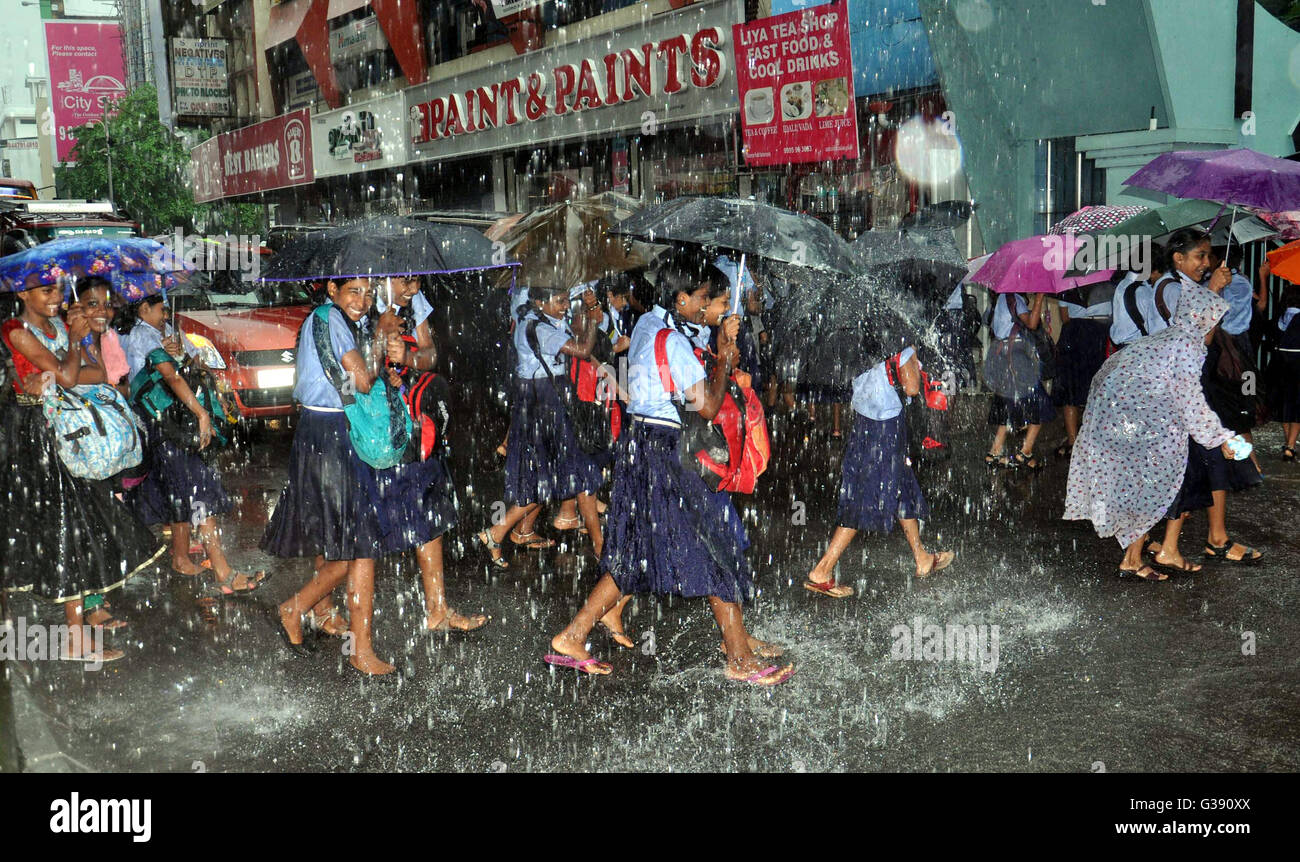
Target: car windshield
{"type": "Point", "coordinates": [206, 290]}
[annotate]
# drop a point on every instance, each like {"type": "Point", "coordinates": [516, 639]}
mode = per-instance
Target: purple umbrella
{"type": "Point", "coordinates": [1242, 177]}
{"type": "Point", "coordinates": [1036, 264]}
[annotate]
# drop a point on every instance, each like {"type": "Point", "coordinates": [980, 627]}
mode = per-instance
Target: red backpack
{"type": "Point", "coordinates": [585, 376]}
{"type": "Point", "coordinates": [929, 410]}
{"type": "Point", "coordinates": [742, 423]}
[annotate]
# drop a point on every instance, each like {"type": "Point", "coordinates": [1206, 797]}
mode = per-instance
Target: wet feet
{"type": "Point", "coordinates": [186, 566]}
{"type": "Point", "coordinates": [761, 649]}
{"type": "Point", "coordinates": [565, 647]}
{"type": "Point", "coordinates": [448, 620]}
{"type": "Point", "coordinates": [612, 623]}
{"type": "Point", "coordinates": [757, 673]}
{"type": "Point", "coordinates": [1173, 563]}
{"type": "Point", "coordinates": [935, 562]}
{"type": "Point", "coordinates": [77, 649]}
{"type": "Point", "coordinates": [822, 581]}
{"type": "Point", "coordinates": [234, 582]}
{"type": "Point", "coordinates": [1144, 572]}
{"type": "Point", "coordinates": [101, 617]}
{"type": "Point", "coordinates": [371, 664]}
{"type": "Point", "coordinates": [331, 622]}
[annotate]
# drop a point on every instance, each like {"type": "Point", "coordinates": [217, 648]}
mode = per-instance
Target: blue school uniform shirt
{"type": "Point", "coordinates": [312, 388]}
{"type": "Point", "coordinates": [1173, 288]}
{"type": "Point", "coordinates": [874, 396]}
{"type": "Point", "coordinates": [1239, 296]}
{"type": "Point", "coordinates": [142, 340]}
{"type": "Point", "coordinates": [420, 307]}
{"type": "Point", "coordinates": [1002, 320]}
{"type": "Point", "coordinates": [1285, 320]}
{"type": "Point", "coordinates": [552, 335]}
{"type": "Point", "coordinates": [647, 396]}
{"type": "Point", "coordinates": [1123, 329]}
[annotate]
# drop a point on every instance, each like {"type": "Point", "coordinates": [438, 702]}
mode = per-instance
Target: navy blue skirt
{"type": "Point", "coordinates": [1079, 356]}
{"type": "Point", "coordinates": [877, 487]}
{"type": "Point", "coordinates": [181, 487]}
{"type": "Point", "coordinates": [544, 462]}
{"type": "Point", "coordinates": [667, 532]}
{"type": "Point", "coordinates": [1283, 388]}
{"type": "Point", "coordinates": [1033, 409]}
{"type": "Point", "coordinates": [418, 502]}
{"type": "Point", "coordinates": [1209, 470]}
{"type": "Point", "coordinates": [330, 502]}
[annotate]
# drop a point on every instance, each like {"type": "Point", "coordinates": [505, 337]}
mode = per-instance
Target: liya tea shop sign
{"type": "Point", "coordinates": [669, 67]}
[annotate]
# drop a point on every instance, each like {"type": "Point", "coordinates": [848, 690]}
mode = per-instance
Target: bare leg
{"type": "Point", "coordinates": [1169, 554]}
{"type": "Point", "coordinates": [1031, 437]}
{"type": "Point", "coordinates": [1072, 417]}
{"type": "Point", "coordinates": [1132, 562]}
{"type": "Point", "coordinates": [76, 646]}
{"type": "Point", "coordinates": [1292, 430]}
{"type": "Point", "coordinates": [927, 563]}
{"type": "Point", "coordinates": [999, 441]}
{"type": "Point", "coordinates": [572, 642]}
{"type": "Point", "coordinates": [181, 561]}
{"type": "Point", "coordinates": [361, 606]}
{"type": "Point", "coordinates": [741, 662]}
{"type": "Point", "coordinates": [835, 420]}
{"type": "Point", "coordinates": [438, 614]}
{"type": "Point", "coordinates": [591, 518]}
{"type": "Point", "coordinates": [824, 571]}
{"type": "Point", "coordinates": [328, 618]}
{"type": "Point", "coordinates": [513, 516]}
{"type": "Point", "coordinates": [211, 538]}
{"type": "Point", "coordinates": [328, 576]}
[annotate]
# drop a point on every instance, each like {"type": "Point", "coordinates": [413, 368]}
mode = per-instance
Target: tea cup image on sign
{"type": "Point", "coordinates": [796, 101]}
{"type": "Point", "coordinates": [831, 97]}
{"type": "Point", "coordinates": [758, 106]}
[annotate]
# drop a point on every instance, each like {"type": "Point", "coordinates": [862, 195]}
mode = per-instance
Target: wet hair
{"type": "Point", "coordinates": [1231, 255]}
{"type": "Point", "coordinates": [677, 277]}
{"type": "Point", "coordinates": [1291, 296]}
{"type": "Point", "coordinates": [544, 292]}
{"type": "Point", "coordinates": [130, 316]}
{"type": "Point", "coordinates": [618, 284]}
{"type": "Point", "coordinates": [1182, 242]}
{"type": "Point", "coordinates": [1158, 253]}
{"type": "Point", "coordinates": [95, 282]}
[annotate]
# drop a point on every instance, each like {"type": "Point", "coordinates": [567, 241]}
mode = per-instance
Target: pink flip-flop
{"type": "Point", "coordinates": [577, 664]}
{"type": "Point", "coordinates": [754, 678]}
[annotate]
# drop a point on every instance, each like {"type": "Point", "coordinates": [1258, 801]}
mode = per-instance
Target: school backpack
{"type": "Point", "coordinates": [378, 422]}
{"type": "Point", "coordinates": [595, 421]}
{"type": "Point", "coordinates": [733, 450]}
{"type": "Point", "coordinates": [427, 400]}
{"type": "Point", "coordinates": [927, 413]}
{"type": "Point", "coordinates": [153, 399]}
{"type": "Point", "coordinates": [95, 431]}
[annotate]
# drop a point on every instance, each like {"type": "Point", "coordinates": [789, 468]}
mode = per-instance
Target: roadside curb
{"type": "Point", "coordinates": [37, 748]}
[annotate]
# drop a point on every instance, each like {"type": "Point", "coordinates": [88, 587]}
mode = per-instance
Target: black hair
{"type": "Point", "coordinates": [1158, 254]}
{"type": "Point", "coordinates": [84, 284]}
{"type": "Point", "coordinates": [1231, 255]}
{"type": "Point", "coordinates": [1182, 242]}
{"type": "Point", "coordinates": [130, 316]}
{"type": "Point", "coordinates": [678, 277]}
{"type": "Point", "coordinates": [543, 292]}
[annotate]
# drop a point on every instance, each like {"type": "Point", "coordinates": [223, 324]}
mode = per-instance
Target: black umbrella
{"type": "Point", "coordinates": [384, 246]}
{"type": "Point", "coordinates": [830, 328]}
{"type": "Point", "coordinates": [742, 226]}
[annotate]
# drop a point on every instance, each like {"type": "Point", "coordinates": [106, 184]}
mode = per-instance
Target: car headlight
{"type": "Point", "coordinates": [207, 351]}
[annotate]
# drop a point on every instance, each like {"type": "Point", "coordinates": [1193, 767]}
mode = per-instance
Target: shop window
{"type": "Point", "coordinates": [1064, 182]}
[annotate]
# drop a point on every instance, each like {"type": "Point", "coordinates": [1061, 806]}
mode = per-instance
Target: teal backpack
{"type": "Point", "coordinates": [378, 422]}
{"type": "Point", "coordinates": [154, 400]}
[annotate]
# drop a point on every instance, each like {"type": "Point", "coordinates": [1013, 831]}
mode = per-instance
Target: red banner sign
{"type": "Point", "coordinates": [270, 155]}
{"type": "Point", "coordinates": [795, 75]}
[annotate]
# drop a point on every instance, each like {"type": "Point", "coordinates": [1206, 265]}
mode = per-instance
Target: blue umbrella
{"type": "Point", "coordinates": [135, 267]}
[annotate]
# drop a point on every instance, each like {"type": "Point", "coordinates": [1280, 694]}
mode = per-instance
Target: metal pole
{"type": "Point", "coordinates": [108, 151]}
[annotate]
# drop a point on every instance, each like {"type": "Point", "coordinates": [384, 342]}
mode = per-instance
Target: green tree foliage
{"type": "Point", "coordinates": [149, 165]}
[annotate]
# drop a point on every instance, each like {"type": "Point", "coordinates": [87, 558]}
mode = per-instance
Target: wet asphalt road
{"type": "Point", "coordinates": [1090, 669]}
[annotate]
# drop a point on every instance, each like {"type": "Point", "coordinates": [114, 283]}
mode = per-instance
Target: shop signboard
{"type": "Point", "coordinates": [87, 72]}
{"type": "Point", "coordinates": [795, 75]}
{"type": "Point", "coordinates": [273, 154]}
{"type": "Point", "coordinates": [200, 84]}
{"type": "Point", "coordinates": [302, 91]}
{"type": "Point", "coordinates": [668, 68]}
{"type": "Point", "coordinates": [359, 138]}
{"type": "Point", "coordinates": [356, 39]}
{"type": "Point", "coordinates": [502, 8]}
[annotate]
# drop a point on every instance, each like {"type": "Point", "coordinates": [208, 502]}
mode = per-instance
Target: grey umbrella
{"type": "Point", "coordinates": [742, 226]}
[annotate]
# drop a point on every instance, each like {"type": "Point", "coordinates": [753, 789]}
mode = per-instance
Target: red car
{"type": "Point", "coordinates": [247, 334]}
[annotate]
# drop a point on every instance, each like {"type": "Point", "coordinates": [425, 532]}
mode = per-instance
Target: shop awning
{"type": "Point", "coordinates": [285, 21]}
{"type": "Point", "coordinates": [343, 7]}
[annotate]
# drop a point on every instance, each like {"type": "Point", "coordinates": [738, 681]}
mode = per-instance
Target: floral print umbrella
{"type": "Point", "coordinates": [135, 267]}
